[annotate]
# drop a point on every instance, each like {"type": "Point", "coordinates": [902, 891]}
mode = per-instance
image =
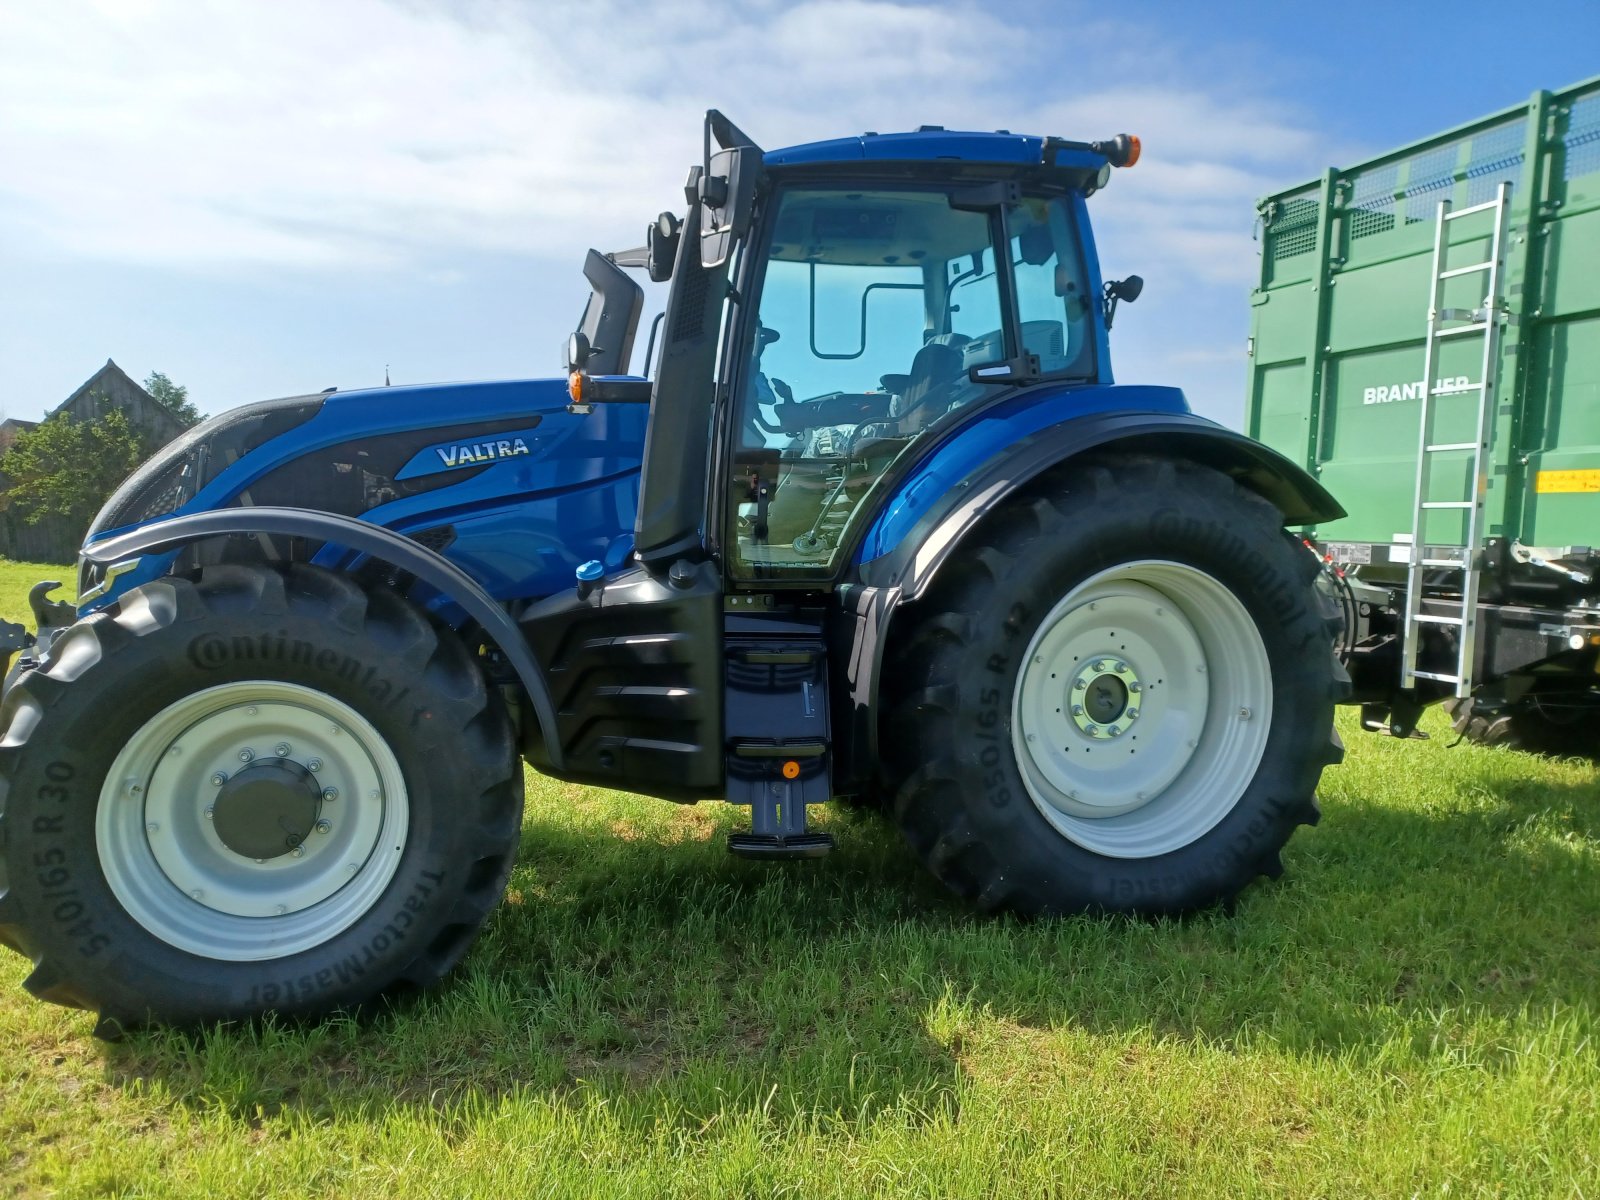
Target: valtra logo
{"type": "Point", "coordinates": [484, 450]}
{"type": "Point", "coordinates": [480, 452]}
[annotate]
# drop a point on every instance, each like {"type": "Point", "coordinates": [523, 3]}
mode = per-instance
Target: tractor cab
{"type": "Point", "coordinates": [834, 305]}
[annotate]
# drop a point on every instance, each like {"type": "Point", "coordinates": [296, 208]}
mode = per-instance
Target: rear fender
{"type": "Point", "coordinates": [162, 537]}
{"type": "Point", "coordinates": [909, 557]}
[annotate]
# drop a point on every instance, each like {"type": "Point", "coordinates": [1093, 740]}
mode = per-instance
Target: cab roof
{"type": "Point", "coordinates": [932, 143]}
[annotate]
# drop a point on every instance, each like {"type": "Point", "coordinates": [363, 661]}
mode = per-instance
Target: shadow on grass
{"type": "Point", "coordinates": [674, 983]}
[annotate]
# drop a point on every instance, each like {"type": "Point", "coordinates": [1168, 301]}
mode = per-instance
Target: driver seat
{"type": "Point", "coordinates": [935, 371]}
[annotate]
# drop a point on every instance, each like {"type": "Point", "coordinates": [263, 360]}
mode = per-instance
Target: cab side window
{"type": "Point", "coordinates": [854, 356]}
{"type": "Point", "coordinates": [1052, 287]}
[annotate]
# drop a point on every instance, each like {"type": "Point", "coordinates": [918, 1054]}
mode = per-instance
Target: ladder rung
{"type": "Point", "coordinates": [1454, 271]}
{"type": "Point", "coordinates": [1437, 676]}
{"type": "Point", "coordinates": [1475, 327]}
{"type": "Point", "coordinates": [1470, 209]}
{"type": "Point", "coordinates": [1454, 564]}
{"type": "Point", "coordinates": [1448, 503]}
{"type": "Point", "coordinates": [1432, 620]}
{"type": "Point", "coordinates": [1457, 391]}
{"type": "Point", "coordinates": [1438, 446]}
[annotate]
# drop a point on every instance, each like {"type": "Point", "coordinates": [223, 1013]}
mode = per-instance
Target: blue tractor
{"type": "Point", "coordinates": [871, 519]}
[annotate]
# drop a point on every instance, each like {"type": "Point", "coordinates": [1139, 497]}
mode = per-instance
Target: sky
{"type": "Point", "coordinates": [269, 198]}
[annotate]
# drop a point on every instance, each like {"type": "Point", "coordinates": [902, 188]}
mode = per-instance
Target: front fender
{"type": "Point", "coordinates": [384, 544]}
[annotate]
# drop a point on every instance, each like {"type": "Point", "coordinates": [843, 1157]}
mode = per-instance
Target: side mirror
{"type": "Point", "coordinates": [1128, 289]}
{"type": "Point", "coordinates": [1121, 289]}
{"type": "Point", "coordinates": [727, 190]}
{"type": "Point", "coordinates": [578, 351]}
{"type": "Point", "coordinates": [661, 243]}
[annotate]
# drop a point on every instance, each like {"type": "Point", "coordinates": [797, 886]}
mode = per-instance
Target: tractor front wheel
{"type": "Point", "coordinates": [1119, 696]}
{"type": "Point", "coordinates": [265, 790]}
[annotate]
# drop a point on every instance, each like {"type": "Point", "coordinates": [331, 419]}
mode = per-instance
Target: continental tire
{"type": "Point", "coordinates": [1555, 724]}
{"type": "Point", "coordinates": [1118, 696]}
{"type": "Point", "coordinates": [263, 791]}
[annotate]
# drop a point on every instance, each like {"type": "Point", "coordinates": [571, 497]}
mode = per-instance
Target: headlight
{"type": "Point", "coordinates": [177, 471]}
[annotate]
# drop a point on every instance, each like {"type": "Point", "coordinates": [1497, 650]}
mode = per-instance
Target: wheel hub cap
{"type": "Point", "coordinates": [267, 809]}
{"type": "Point", "coordinates": [1103, 697]}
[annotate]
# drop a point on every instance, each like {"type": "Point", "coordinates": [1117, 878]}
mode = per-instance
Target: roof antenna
{"type": "Point", "coordinates": [385, 374]}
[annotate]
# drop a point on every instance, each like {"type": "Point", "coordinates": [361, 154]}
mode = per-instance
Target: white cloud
{"type": "Point", "coordinates": [372, 135]}
{"type": "Point", "coordinates": [398, 140]}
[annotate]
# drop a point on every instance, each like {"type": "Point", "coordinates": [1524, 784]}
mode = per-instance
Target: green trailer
{"type": "Point", "coordinates": [1425, 338]}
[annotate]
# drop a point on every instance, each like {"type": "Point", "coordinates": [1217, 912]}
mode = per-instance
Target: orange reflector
{"type": "Point", "coordinates": [791, 769]}
{"type": "Point", "coordinates": [575, 386]}
{"type": "Point", "coordinates": [1133, 151]}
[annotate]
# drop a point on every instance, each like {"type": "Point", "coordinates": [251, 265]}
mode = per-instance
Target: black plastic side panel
{"type": "Point", "coordinates": [635, 669]}
{"type": "Point", "coordinates": [858, 624]}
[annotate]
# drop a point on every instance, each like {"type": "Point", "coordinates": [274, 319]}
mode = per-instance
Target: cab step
{"type": "Point", "coordinates": [775, 846]}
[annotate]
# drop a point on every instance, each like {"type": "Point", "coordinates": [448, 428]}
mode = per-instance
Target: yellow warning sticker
{"type": "Point", "coordinates": [1567, 481]}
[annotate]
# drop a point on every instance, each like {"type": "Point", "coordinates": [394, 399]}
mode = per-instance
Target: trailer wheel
{"type": "Point", "coordinates": [260, 791]}
{"type": "Point", "coordinates": [1119, 696]}
{"type": "Point", "coordinates": [1555, 724]}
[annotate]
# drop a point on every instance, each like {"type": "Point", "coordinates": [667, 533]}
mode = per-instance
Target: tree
{"type": "Point", "coordinates": [67, 468]}
{"type": "Point", "coordinates": [173, 397]}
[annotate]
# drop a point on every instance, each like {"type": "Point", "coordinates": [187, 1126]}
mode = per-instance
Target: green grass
{"type": "Point", "coordinates": [1412, 1010]}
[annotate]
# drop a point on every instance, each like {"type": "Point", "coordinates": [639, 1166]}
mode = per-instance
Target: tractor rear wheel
{"type": "Point", "coordinates": [264, 790]}
{"type": "Point", "coordinates": [1119, 695]}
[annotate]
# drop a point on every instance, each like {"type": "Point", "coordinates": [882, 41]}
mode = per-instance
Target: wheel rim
{"type": "Point", "coordinates": [309, 763]}
{"type": "Point", "coordinates": [1142, 709]}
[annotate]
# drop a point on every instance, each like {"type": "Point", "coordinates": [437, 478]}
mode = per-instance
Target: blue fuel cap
{"type": "Point", "coordinates": [589, 574]}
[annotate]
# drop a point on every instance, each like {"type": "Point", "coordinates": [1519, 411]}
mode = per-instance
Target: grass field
{"type": "Point", "coordinates": [1412, 1010]}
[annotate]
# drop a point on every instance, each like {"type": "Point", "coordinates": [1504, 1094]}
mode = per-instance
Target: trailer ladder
{"type": "Point", "coordinates": [1429, 556]}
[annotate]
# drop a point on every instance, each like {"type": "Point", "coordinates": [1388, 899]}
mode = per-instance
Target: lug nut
{"type": "Point", "coordinates": [210, 812]}
{"type": "Point", "coordinates": [251, 711]}
{"type": "Point", "coordinates": [1114, 730]}
{"type": "Point", "coordinates": [220, 778]}
{"type": "Point", "coordinates": [1121, 668]}
{"type": "Point", "coordinates": [1079, 685]}
{"type": "Point", "coordinates": [247, 755]}
{"type": "Point", "coordinates": [284, 749]}
{"type": "Point", "coordinates": [298, 852]}
{"type": "Point", "coordinates": [1132, 713]}
{"type": "Point", "coordinates": [1136, 688]}
{"type": "Point", "coordinates": [1244, 714]}
{"type": "Point", "coordinates": [152, 828]}
{"type": "Point", "coordinates": [330, 793]}
{"type": "Point", "coordinates": [324, 826]}
{"type": "Point", "coordinates": [314, 765]}
{"type": "Point", "coordinates": [1099, 664]}
{"type": "Point", "coordinates": [1077, 710]}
